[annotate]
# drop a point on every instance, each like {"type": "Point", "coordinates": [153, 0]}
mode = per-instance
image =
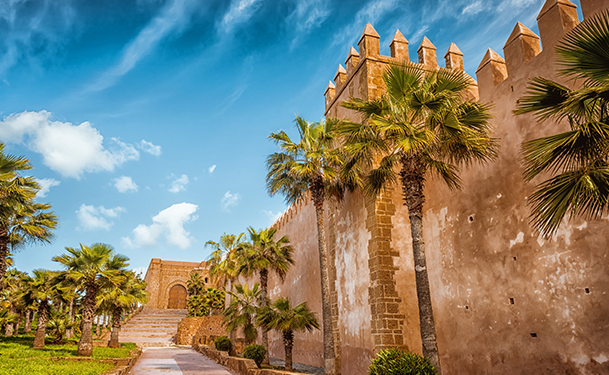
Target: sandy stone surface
{"type": "Point", "coordinates": [174, 361]}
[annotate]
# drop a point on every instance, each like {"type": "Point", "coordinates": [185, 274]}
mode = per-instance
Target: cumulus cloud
{"type": "Point", "coordinates": [125, 184]}
{"type": "Point", "coordinates": [45, 185]}
{"type": "Point", "coordinates": [149, 147]}
{"type": "Point", "coordinates": [66, 148]}
{"type": "Point", "coordinates": [229, 200]}
{"type": "Point", "coordinates": [168, 223]}
{"type": "Point", "coordinates": [212, 168]}
{"type": "Point", "coordinates": [91, 217]}
{"type": "Point", "coordinates": [179, 184]}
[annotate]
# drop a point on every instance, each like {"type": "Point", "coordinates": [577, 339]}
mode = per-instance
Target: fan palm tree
{"type": "Point", "coordinates": [312, 165]}
{"type": "Point", "coordinates": [58, 325]}
{"type": "Point", "coordinates": [241, 312]}
{"type": "Point", "coordinates": [422, 124]}
{"type": "Point", "coordinates": [91, 268]}
{"type": "Point", "coordinates": [222, 262]}
{"type": "Point", "coordinates": [195, 285]}
{"type": "Point", "coordinates": [119, 297]}
{"type": "Point", "coordinates": [282, 317]}
{"type": "Point", "coordinates": [262, 255]}
{"type": "Point", "coordinates": [10, 298]}
{"type": "Point", "coordinates": [42, 288]}
{"type": "Point", "coordinates": [578, 159]}
{"type": "Point", "coordinates": [22, 221]}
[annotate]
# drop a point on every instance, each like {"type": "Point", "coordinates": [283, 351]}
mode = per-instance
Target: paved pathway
{"type": "Point", "coordinates": [175, 361]}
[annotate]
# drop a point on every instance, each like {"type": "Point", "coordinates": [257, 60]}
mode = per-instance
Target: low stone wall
{"type": "Point", "coordinates": [122, 366]}
{"type": "Point", "coordinates": [195, 328]}
{"type": "Point", "coordinates": [241, 366]}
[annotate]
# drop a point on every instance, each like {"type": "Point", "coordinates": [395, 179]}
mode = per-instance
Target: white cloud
{"type": "Point", "coordinates": [45, 185]}
{"type": "Point", "coordinates": [308, 15]}
{"type": "Point", "coordinates": [169, 223]}
{"type": "Point", "coordinates": [179, 184]}
{"type": "Point", "coordinates": [373, 11]}
{"type": "Point", "coordinates": [92, 218]}
{"type": "Point", "coordinates": [149, 147]}
{"type": "Point", "coordinates": [212, 168]}
{"type": "Point", "coordinates": [125, 184]}
{"type": "Point", "coordinates": [272, 215]}
{"type": "Point", "coordinates": [240, 11]}
{"type": "Point", "coordinates": [67, 149]}
{"type": "Point", "coordinates": [173, 18]}
{"type": "Point", "coordinates": [473, 8]}
{"type": "Point", "coordinates": [229, 200]}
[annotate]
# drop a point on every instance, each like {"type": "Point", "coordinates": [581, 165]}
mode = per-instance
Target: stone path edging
{"type": "Point", "coordinates": [242, 366]}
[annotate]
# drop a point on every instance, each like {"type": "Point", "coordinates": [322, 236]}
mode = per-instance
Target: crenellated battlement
{"type": "Point", "coordinates": [291, 211]}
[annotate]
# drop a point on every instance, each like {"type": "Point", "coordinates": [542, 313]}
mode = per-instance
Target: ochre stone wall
{"type": "Point", "coordinates": [164, 274]}
{"type": "Point", "coordinates": [198, 328]}
{"type": "Point", "coordinates": [505, 300]}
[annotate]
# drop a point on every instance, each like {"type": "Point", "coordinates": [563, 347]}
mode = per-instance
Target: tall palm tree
{"type": "Point", "coordinates": [222, 262]}
{"type": "Point", "coordinates": [42, 288]}
{"type": "Point", "coordinates": [10, 298]}
{"type": "Point", "coordinates": [422, 124]}
{"type": "Point", "coordinates": [262, 255]}
{"type": "Point", "coordinates": [22, 220]}
{"type": "Point", "coordinates": [312, 164]}
{"type": "Point", "coordinates": [241, 312]}
{"type": "Point", "coordinates": [578, 159]}
{"type": "Point", "coordinates": [92, 268]}
{"type": "Point", "coordinates": [116, 298]}
{"type": "Point", "coordinates": [282, 317]}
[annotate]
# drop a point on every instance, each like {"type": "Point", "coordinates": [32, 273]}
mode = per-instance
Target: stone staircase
{"type": "Point", "coordinates": [153, 327]}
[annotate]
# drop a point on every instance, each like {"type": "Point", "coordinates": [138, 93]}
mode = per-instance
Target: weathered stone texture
{"type": "Point", "coordinates": [164, 274]}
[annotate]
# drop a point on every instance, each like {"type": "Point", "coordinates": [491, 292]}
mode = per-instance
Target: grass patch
{"type": "Point", "coordinates": [18, 357]}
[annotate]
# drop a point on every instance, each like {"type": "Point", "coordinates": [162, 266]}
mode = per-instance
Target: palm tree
{"type": "Point", "coordinates": [41, 288]}
{"type": "Point", "coordinates": [10, 298]}
{"type": "Point", "coordinates": [119, 297]}
{"type": "Point", "coordinates": [223, 260]}
{"type": "Point", "coordinates": [282, 317]}
{"type": "Point", "coordinates": [577, 160]}
{"type": "Point", "coordinates": [312, 165]}
{"type": "Point", "coordinates": [91, 268]}
{"type": "Point", "coordinates": [22, 221]}
{"type": "Point", "coordinates": [423, 124]}
{"type": "Point", "coordinates": [241, 312]}
{"type": "Point", "coordinates": [195, 285]}
{"type": "Point", "coordinates": [262, 255]}
{"type": "Point", "coordinates": [58, 325]}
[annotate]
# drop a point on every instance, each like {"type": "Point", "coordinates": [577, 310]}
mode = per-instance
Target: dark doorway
{"type": "Point", "coordinates": [177, 297]}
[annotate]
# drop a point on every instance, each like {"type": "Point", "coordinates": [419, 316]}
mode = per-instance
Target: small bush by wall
{"type": "Point", "coordinates": [396, 362]}
{"type": "Point", "coordinates": [223, 343]}
{"type": "Point", "coordinates": [255, 352]}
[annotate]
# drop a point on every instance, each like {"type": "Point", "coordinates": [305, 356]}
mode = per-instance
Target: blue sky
{"type": "Point", "coordinates": [147, 120]}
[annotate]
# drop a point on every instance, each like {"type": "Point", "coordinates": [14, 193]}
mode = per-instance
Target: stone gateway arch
{"type": "Point", "coordinates": [167, 282]}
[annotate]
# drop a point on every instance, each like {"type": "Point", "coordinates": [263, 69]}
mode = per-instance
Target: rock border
{"type": "Point", "coordinates": [242, 366]}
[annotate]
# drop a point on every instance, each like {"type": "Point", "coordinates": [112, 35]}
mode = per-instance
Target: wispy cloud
{"type": "Point", "coordinates": [179, 184]}
{"type": "Point", "coordinates": [211, 169]}
{"type": "Point", "coordinates": [149, 147]}
{"type": "Point", "coordinates": [33, 30]}
{"type": "Point", "coordinates": [473, 8]}
{"type": "Point", "coordinates": [229, 200]}
{"type": "Point", "coordinates": [240, 11]}
{"type": "Point", "coordinates": [272, 216]}
{"type": "Point", "coordinates": [173, 18]}
{"type": "Point", "coordinates": [45, 185]}
{"type": "Point", "coordinates": [308, 15]}
{"type": "Point", "coordinates": [372, 12]}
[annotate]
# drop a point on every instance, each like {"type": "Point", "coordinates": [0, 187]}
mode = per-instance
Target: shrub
{"type": "Point", "coordinates": [223, 343]}
{"type": "Point", "coordinates": [255, 352]}
{"type": "Point", "coordinates": [396, 362]}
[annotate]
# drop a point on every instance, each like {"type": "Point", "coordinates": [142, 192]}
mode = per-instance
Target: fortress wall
{"type": "Point", "coordinates": [163, 274]}
{"type": "Point", "coordinates": [494, 282]}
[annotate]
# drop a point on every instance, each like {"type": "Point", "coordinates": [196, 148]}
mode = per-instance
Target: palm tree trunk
{"type": "Point", "coordinates": [43, 314]}
{"type": "Point", "coordinates": [232, 334]}
{"type": "Point", "coordinates": [116, 327]}
{"type": "Point", "coordinates": [264, 282]}
{"type": "Point", "coordinates": [4, 241]}
{"type": "Point", "coordinates": [10, 327]}
{"type": "Point", "coordinates": [18, 323]}
{"type": "Point", "coordinates": [70, 332]}
{"type": "Point", "coordinates": [413, 183]}
{"type": "Point", "coordinates": [27, 326]}
{"type": "Point", "coordinates": [317, 194]}
{"type": "Point", "coordinates": [98, 325]}
{"type": "Point", "coordinates": [85, 345]}
{"type": "Point", "coordinates": [288, 343]}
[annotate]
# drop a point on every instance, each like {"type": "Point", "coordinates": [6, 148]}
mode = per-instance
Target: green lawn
{"type": "Point", "coordinates": [18, 357]}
